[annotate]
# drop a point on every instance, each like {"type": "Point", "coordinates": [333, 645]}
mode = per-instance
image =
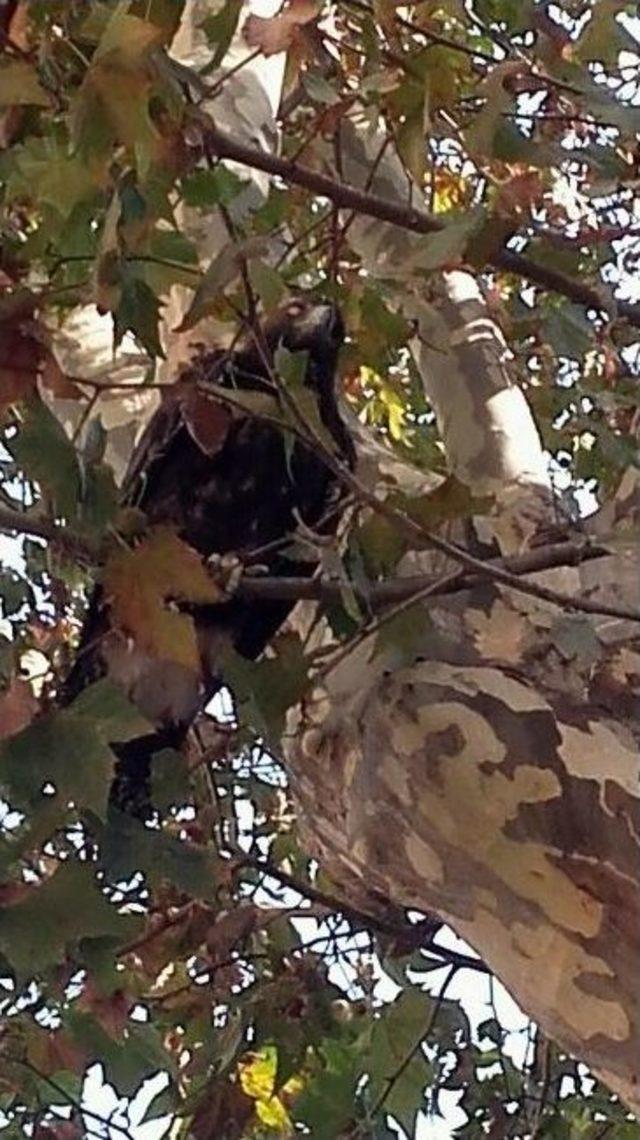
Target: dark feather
{"type": "Point", "coordinates": [228, 484]}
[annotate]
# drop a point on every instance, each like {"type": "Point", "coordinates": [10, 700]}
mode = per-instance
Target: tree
{"type": "Point", "coordinates": [448, 725]}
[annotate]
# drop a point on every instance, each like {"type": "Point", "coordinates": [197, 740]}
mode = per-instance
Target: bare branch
{"type": "Point", "coordinates": [393, 590]}
{"type": "Point", "coordinates": [224, 145]}
{"type": "Point", "coordinates": [15, 522]}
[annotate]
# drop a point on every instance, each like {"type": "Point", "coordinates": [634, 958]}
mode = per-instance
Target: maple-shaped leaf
{"type": "Point", "coordinates": [66, 910]}
{"type": "Point", "coordinates": [276, 33]}
{"type": "Point", "coordinates": [140, 583]}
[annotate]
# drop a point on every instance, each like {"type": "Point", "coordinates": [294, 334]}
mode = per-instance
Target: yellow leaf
{"type": "Point", "coordinates": [139, 583]}
{"type": "Point", "coordinates": [274, 1115]}
{"type": "Point", "coordinates": [258, 1074]}
{"type": "Point", "coordinates": [395, 411]}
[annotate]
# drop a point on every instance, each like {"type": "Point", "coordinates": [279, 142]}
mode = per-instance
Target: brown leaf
{"type": "Point", "coordinates": [64, 1053]}
{"type": "Point", "coordinates": [276, 33]}
{"type": "Point", "coordinates": [18, 706]}
{"type": "Point", "coordinates": [20, 356]}
{"type": "Point", "coordinates": [225, 1110]}
{"type": "Point", "coordinates": [521, 192]}
{"type": "Point", "coordinates": [141, 582]}
{"type": "Point", "coordinates": [206, 419]}
{"type": "Point", "coordinates": [56, 381]}
{"type": "Point", "coordinates": [18, 25]}
{"type": "Point", "coordinates": [61, 1130]}
{"type": "Point", "coordinates": [229, 931]}
{"type": "Point", "coordinates": [12, 893]}
{"type": "Point", "coordinates": [112, 1011]}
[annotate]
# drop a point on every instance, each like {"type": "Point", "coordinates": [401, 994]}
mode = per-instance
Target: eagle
{"type": "Point", "coordinates": [229, 482]}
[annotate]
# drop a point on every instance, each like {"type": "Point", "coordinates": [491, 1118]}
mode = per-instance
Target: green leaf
{"type": "Point", "coordinates": [70, 749]}
{"type": "Point", "coordinates": [54, 918]}
{"type": "Point", "coordinates": [404, 638]}
{"type": "Point", "coordinates": [267, 283]}
{"type": "Point", "coordinates": [220, 29]}
{"type": "Point", "coordinates": [300, 407]}
{"type": "Point", "coordinates": [380, 544]}
{"type": "Point", "coordinates": [604, 37]}
{"type": "Point", "coordinates": [266, 689]}
{"type": "Point", "coordinates": [138, 312]}
{"type": "Point", "coordinates": [576, 640]}
{"type": "Point", "coordinates": [223, 270]}
{"type": "Point", "coordinates": [126, 1064]}
{"type": "Point", "coordinates": [15, 592]}
{"type": "Point", "coordinates": [44, 170]}
{"type": "Point", "coordinates": [399, 1072]}
{"type": "Point", "coordinates": [169, 779]}
{"type": "Point", "coordinates": [327, 1104]}
{"type": "Point", "coordinates": [206, 188]}
{"type": "Point", "coordinates": [127, 846]}
{"type": "Point", "coordinates": [569, 331]}
{"type": "Point", "coordinates": [99, 502]}
{"type": "Point", "coordinates": [412, 143]}
{"type": "Point", "coordinates": [319, 89]}
{"type": "Point", "coordinates": [448, 245]}
{"type": "Point", "coordinates": [47, 456]}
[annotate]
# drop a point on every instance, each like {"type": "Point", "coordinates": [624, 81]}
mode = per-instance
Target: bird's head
{"type": "Point", "coordinates": [305, 325]}
{"type": "Point", "coordinates": [314, 327]}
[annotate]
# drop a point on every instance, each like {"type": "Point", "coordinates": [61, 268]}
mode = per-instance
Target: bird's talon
{"type": "Point", "coordinates": [226, 570]}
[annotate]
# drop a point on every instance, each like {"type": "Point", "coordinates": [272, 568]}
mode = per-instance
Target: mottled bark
{"type": "Point", "coordinates": [495, 782]}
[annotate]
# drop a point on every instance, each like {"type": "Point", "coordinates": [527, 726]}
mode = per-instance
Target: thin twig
{"type": "Point", "coordinates": [403, 930]}
{"type": "Point", "coordinates": [226, 146]}
{"type": "Point", "coordinates": [415, 1049]}
{"type": "Point", "coordinates": [19, 523]}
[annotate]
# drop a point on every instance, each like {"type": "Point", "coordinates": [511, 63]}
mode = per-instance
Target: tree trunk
{"type": "Point", "coordinates": [495, 782]}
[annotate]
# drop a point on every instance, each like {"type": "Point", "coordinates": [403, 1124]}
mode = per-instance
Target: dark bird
{"type": "Point", "coordinates": [228, 482]}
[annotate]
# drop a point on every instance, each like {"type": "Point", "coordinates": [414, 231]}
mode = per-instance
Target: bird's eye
{"type": "Point", "coordinates": [295, 309]}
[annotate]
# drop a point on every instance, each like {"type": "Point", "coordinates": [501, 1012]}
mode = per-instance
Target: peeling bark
{"type": "Point", "coordinates": [506, 766]}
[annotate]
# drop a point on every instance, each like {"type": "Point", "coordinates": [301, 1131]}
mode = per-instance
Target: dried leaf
{"type": "Point", "coordinates": [276, 33]}
{"type": "Point", "coordinates": [110, 1010]}
{"type": "Point", "coordinates": [140, 582]}
{"type": "Point", "coordinates": [20, 355]}
{"type": "Point", "coordinates": [206, 419]}
{"type": "Point", "coordinates": [18, 706]}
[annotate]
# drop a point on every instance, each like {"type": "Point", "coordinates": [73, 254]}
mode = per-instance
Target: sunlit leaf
{"type": "Point", "coordinates": [141, 582]}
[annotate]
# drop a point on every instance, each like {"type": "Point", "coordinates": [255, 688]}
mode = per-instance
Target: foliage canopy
{"type": "Point", "coordinates": [207, 946]}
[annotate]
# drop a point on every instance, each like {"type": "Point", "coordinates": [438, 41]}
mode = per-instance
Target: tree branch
{"type": "Point", "coordinates": [19, 523]}
{"type": "Point", "coordinates": [223, 145]}
{"type": "Point", "coordinates": [393, 590]}
{"type": "Point", "coordinates": [399, 589]}
{"type": "Point", "coordinates": [412, 936]}
{"type": "Point", "coordinates": [379, 594]}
